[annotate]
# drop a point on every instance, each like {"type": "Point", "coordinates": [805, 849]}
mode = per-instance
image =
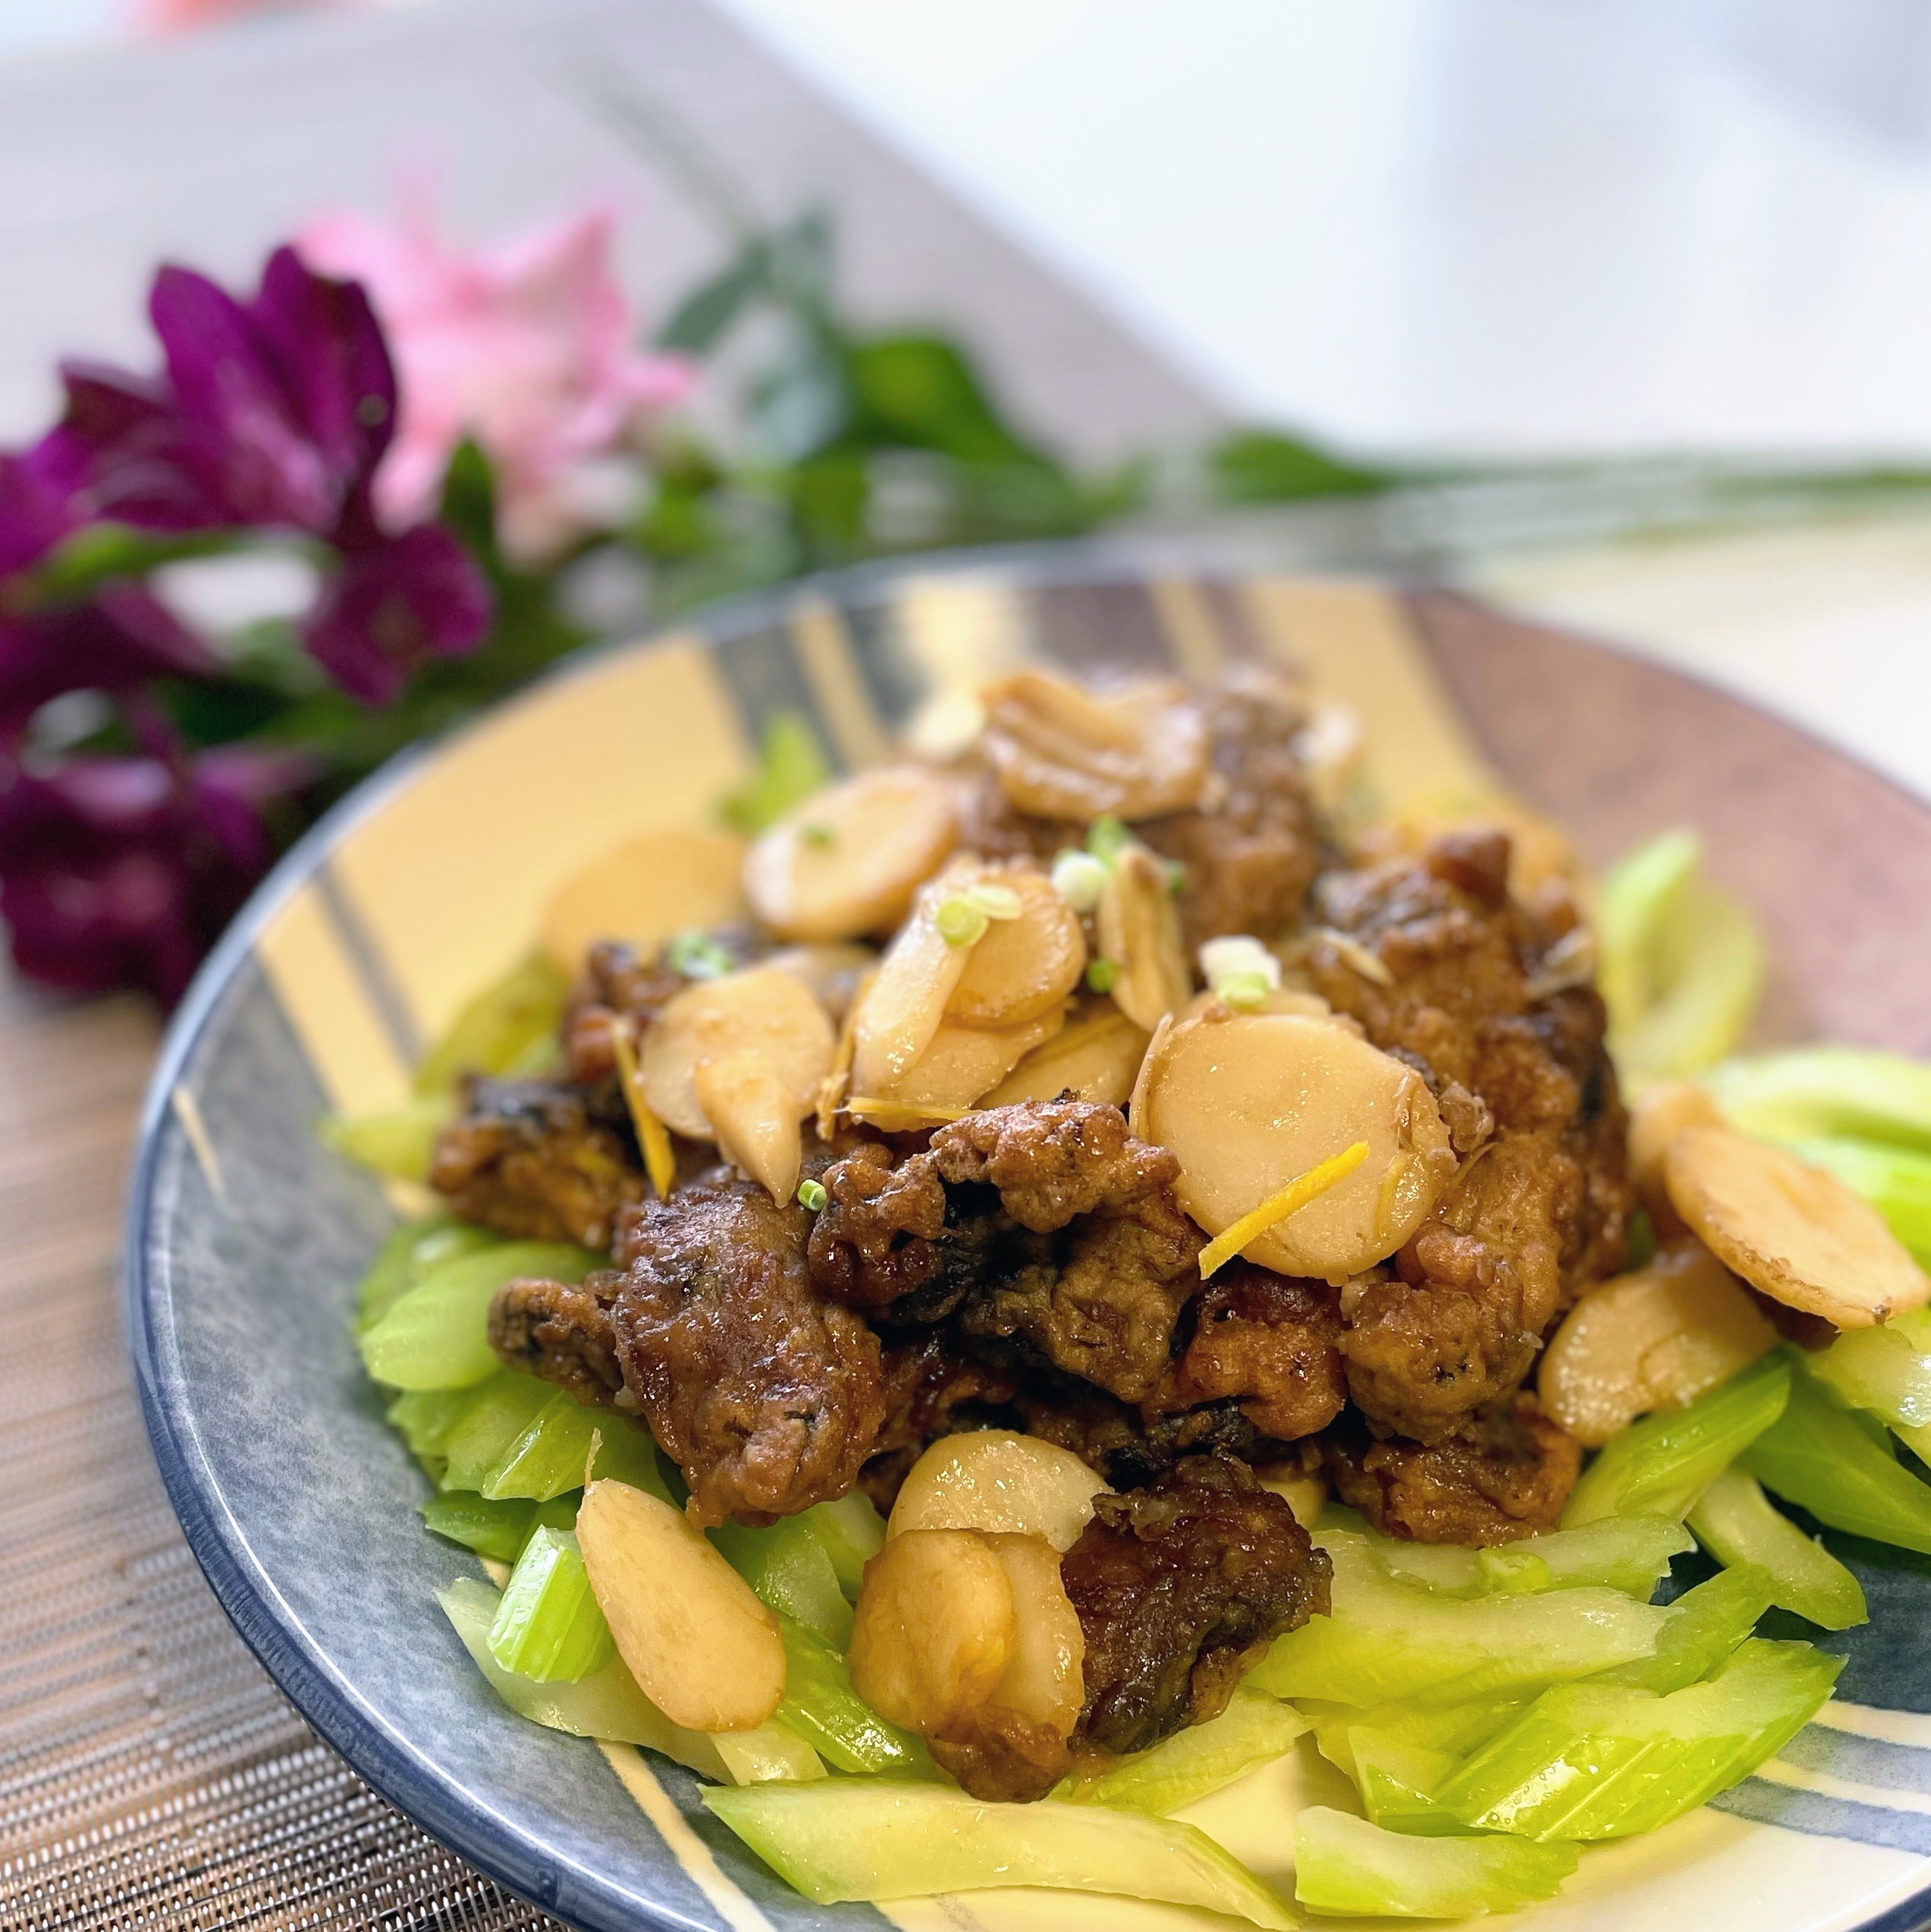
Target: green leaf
{"type": "Point", "coordinates": [1262, 466]}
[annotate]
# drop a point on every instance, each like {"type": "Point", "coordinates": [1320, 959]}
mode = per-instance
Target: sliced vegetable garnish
{"type": "Point", "coordinates": [791, 1571]}
{"type": "Point", "coordinates": [1838, 1464]}
{"type": "Point", "coordinates": [437, 1335]}
{"type": "Point", "coordinates": [1292, 1199]}
{"type": "Point", "coordinates": [498, 1414]}
{"type": "Point", "coordinates": [510, 1023]}
{"type": "Point", "coordinates": [409, 1254]}
{"type": "Point", "coordinates": [1386, 1640]}
{"type": "Point", "coordinates": [1254, 1729]}
{"type": "Point", "coordinates": [1593, 1760]}
{"type": "Point", "coordinates": [1346, 1866]}
{"type": "Point", "coordinates": [548, 1626]}
{"type": "Point", "coordinates": [773, 1753]}
{"type": "Point", "coordinates": [852, 1532]}
{"type": "Point", "coordinates": [1806, 1092]}
{"type": "Point", "coordinates": [791, 766]}
{"type": "Point", "coordinates": [1659, 1466]}
{"type": "Point", "coordinates": [498, 1530]}
{"type": "Point", "coordinates": [653, 1137]}
{"type": "Point", "coordinates": [1736, 1524]}
{"type": "Point", "coordinates": [1630, 1553]}
{"type": "Point", "coordinates": [1700, 1631]}
{"type": "Point", "coordinates": [1392, 1777]}
{"type": "Point", "coordinates": [820, 1705]}
{"type": "Point", "coordinates": [1885, 1370]}
{"type": "Point", "coordinates": [1638, 893]}
{"type": "Point", "coordinates": [893, 1116]}
{"type": "Point", "coordinates": [397, 1143]}
{"type": "Point", "coordinates": [425, 1418]}
{"type": "Point", "coordinates": [888, 1837]}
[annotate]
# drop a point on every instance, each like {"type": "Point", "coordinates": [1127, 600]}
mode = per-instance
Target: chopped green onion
{"type": "Point", "coordinates": [1079, 878]}
{"type": "Point", "coordinates": [1735, 1522]}
{"type": "Point", "coordinates": [1344, 1865]}
{"type": "Point", "coordinates": [548, 1626]}
{"type": "Point", "coordinates": [820, 1705]}
{"type": "Point", "coordinates": [852, 1532]}
{"type": "Point", "coordinates": [398, 1144]}
{"type": "Point", "coordinates": [889, 1838]}
{"type": "Point", "coordinates": [1659, 1466]}
{"type": "Point", "coordinates": [1102, 975]}
{"type": "Point", "coordinates": [499, 1027]}
{"type": "Point", "coordinates": [960, 922]}
{"type": "Point", "coordinates": [790, 1570]}
{"type": "Point", "coordinates": [693, 954]}
{"type": "Point", "coordinates": [1107, 838]}
{"type": "Point", "coordinates": [791, 766]}
{"type": "Point", "coordinates": [1838, 1464]}
{"type": "Point", "coordinates": [1254, 1729]}
{"type": "Point", "coordinates": [437, 1335]}
{"type": "Point", "coordinates": [811, 1194]}
{"type": "Point", "coordinates": [491, 1529]}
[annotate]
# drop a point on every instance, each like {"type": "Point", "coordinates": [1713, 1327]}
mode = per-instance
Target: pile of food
{"type": "Point", "coordinates": [1102, 1258]}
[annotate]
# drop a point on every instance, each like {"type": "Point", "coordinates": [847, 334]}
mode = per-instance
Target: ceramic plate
{"type": "Point", "coordinates": [245, 1238]}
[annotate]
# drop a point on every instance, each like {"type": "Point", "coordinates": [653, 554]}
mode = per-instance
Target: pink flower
{"type": "Point", "coordinates": [525, 346]}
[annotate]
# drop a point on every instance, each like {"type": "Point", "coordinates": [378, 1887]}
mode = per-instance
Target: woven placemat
{"type": "Point", "coordinates": [150, 1773]}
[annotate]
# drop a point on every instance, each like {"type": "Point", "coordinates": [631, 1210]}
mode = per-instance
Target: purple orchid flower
{"type": "Point", "coordinates": [117, 871]}
{"type": "Point", "coordinates": [116, 641]}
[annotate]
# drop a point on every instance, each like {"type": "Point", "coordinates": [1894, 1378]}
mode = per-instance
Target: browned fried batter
{"type": "Point", "coordinates": [1052, 1159]}
{"type": "Point", "coordinates": [1178, 1588]}
{"type": "Point", "coordinates": [1539, 1208]}
{"type": "Point", "coordinates": [617, 984]}
{"type": "Point", "coordinates": [998, 1755]}
{"type": "Point", "coordinates": [537, 1160]}
{"type": "Point", "coordinates": [1268, 1342]}
{"type": "Point", "coordinates": [767, 1396]}
{"type": "Point", "coordinates": [1505, 1473]}
{"type": "Point", "coordinates": [563, 1334]}
{"type": "Point", "coordinates": [927, 1384]}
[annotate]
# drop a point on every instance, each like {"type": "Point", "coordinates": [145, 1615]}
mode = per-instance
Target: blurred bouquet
{"type": "Point", "coordinates": [393, 484]}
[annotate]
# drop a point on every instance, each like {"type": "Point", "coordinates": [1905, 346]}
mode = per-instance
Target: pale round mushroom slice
{"type": "Point", "coordinates": [1792, 1231]}
{"type": "Point", "coordinates": [994, 1480]}
{"type": "Point", "coordinates": [768, 1013]}
{"type": "Point", "coordinates": [1061, 751]}
{"type": "Point", "coordinates": [1096, 1058]}
{"type": "Point", "coordinates": [846, 862]}
{"type": "Point", "coordinates": [961, 1065]}
{"type": "Point", "coordinates": [663, 883]}
{"type": "Point", "coordinates": [1023, 967]}
{"type": "Point", "coordinates": [1656, 1338]}
{"type": "Point", "coordinates": [1249, 1103]}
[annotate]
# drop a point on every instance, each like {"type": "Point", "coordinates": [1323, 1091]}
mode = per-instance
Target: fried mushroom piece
{"type": "Point", "coordinates": [1268, 1342]}
{"type": "Point", "coordinates": [1046, 1220]}
{"type": "Point", "coordinates": [537, 1160]}
{"type": "Point", "coordinates": [563, 1334]}
{"type": "Point", "coordinates": [1539, 1209]}
{"type": "Point", "coordinates": [768, 1397]}
{"type": "Point", "coordinates": [1178, 1587]}
{"type": "Point", "coordinates": [1504, 1474]}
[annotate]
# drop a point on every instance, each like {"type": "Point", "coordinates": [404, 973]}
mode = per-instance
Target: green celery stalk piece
{"type": "Point", "coordinates": [1595, 1761]}
{"type": "Point", "coordinates": [1700, 1631]}
{"type": "Point", "coordinates": [1457, 1728]}
{"type": "Point", "coordinates": [494, 1032]}
{"type": "Point", "coordinates": [606, 1704]}
{"type": "Point", "coordinates": [1837, 1464]}
{"type": "Point", "coordinates": [772, 1752]}
{"type": "Point", "coordinates": [1345, 1866]}
{"type": "Point", "coordinates": [1885, 1370]}
{"type": "Point", "coordinates": [627, 1452]}
{"type": "Point", "coordinates": [548, 1626]}
{"type": "Point", "coordinates": [852, 1532]}
{"type": "Point", "coordinates": [1806, 1093]}
{"type": "Point", "coordinates": [790, 1570]}
{"type": "Point", "coordinates": [1386, 1640]}
{"type": "Point", "coordinates": [1712, 963]}
{"type": "Point", "coordinates": [491, 1529]}
{"type": "Point", "coordinates": [1393, 1779]}
{"type": "Point", "coordinates": [1737, 1525]}
{"type": "Point", "coordinates": [396, 1143]}
{"type": "Point", "coordinates": [549, 1457]}
{"type": "Point", "coordinates": [1659, 1466]}
{"type": "Point", "coordinates": [1630, 1553]}
{"type": "Point", "coordinates": [496, 1415]}
{"type": "Point", "coordinates": [1638, 894]}
{"type": "Point", "coordinates": [1895, 1180]}
{"type": "Point", "coordinates": [437, 1335]}
{"type": "Point", "coordinates": [424, 1419]}
{"type": "Point", "coordinates": [791, 766]}
{"type": "Point", "coordinates": [885, 1838]}
{"type": "Point", "coordinates": [1254, 1729]}
{"type": "Point", "coordinates": [410, 1253]}
{"type": "Point", "coordinates": [822, 1707]}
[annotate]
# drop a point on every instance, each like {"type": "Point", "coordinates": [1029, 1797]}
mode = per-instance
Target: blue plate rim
{"type": "Point", "coordinates": [499, 1846]}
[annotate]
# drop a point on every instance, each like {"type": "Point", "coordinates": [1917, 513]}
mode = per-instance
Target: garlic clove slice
{"type": "Point", "coordinates": [755, 1118]}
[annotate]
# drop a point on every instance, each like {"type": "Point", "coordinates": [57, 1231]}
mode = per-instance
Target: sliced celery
{"type": "Point", "coordinates": [1344, 1865]}
{"type": "Point", "coordinates": [395, 1144]}
{"type": "Point", "coordinates": [1638, 893]}
{"type": "Point", "coordinates": [424, 1419]}
{"type": "Point", "coordinates": [607, 1705]}
{"type": "Point", "coordinates": [1895, 1180]}
{"type": "Point", "coordinates": [498, 1027]}
{"type": "Point", "coordinates": [495, 1416]}
{"type": "Point", "coordinates": [491, 1529]}
{"type": "Point", "coordinates": [773, 1753]}
{"type": "Point", "coordinates": [548, 1626]}
{"type": "Point", "coordinates": [437, 1335]}
{"type": "Point", "coordinates": [1736, 1524]}
{"type": "Point", "coordinates": [1886, 1370]}
{"type": "Point", "coordinates": [550, 1456]}
{"type": "Point", "coordinates": [1630, 1553]}
{"type": "Point", "coordinates": [1806, 1093]}
{"type": "Point", "coordinates": [1659, 1466]}
{"type": "Point", "coordinates": [1712, 963]}
{"type": "Point", "coordinates": [821, 1707]}
{"type": "Point", "coordinates": [1838, 1464]}
{"type": "Point", "coordinates": [1598, 1760]}
{"type": "Point", "coordinates": [391, 1272]}
{"type": "Point", "coordinates": [1386, 1640]}
{"type": "Point", "coordinates": [1457, 1728]}
{"type": "Point", "coordinates": [1700, 1631]}
{"type": "Point", "coordinates": [852, 1532]}
{"type": "Point", "coordinates": [1393, 1779]}
{"type": "Point", "coordinates": [791, 766]}
{"type": "Point", "coordinates": [1254, 1730]}
{"type": "Point", "coordinates": [790, 1570]}
{"type": "Point", "coordinates": [884, 1838]}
